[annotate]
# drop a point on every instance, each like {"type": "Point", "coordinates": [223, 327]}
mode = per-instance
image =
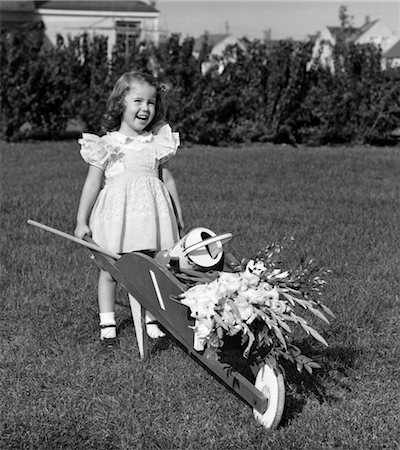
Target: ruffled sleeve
{"type": "Point", "coordinates": [166, 143]}
{"type": "Point", "coordinates": [93, 150]}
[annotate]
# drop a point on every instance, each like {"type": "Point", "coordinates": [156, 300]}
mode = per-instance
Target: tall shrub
{"type": "Point", "coordinates": [89, 74]}
{"type": "Point", "coordinates": [251, 93]}
{"type": "Point", "coordinates": [356, 102]}
{"type": "Point", "coordinates": [180, 73]}
{"type": "Point", "coordinates": [33, 84]}
{"type": "Point", "coordinates": [255, 91]}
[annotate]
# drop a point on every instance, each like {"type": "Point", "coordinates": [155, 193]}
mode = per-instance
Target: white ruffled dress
{"type": "Point", "coordinates": [133, 211]}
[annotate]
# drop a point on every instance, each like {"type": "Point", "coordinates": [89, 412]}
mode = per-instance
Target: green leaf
{"type": "Point", "coordinates": [318, 313]}
{"type": "Point", "coordinates": [289, 297]}
{"type": "Point", "coordinates": [220, 322]}
{"type": "Point", "coordinates": [308, 368]}
{"type": "Point", "coordinates": [314, 365]}
{"type": "Point", "coordinates": [295, 351]}
{"type": "Point", "coordinates": [280, 322]}
{"type": "Point", "coordinates": [279, 335]}
{"type": "Point", "coordinates": [317, 336]}
{"type": "Point", "coordinates": [327, 310]}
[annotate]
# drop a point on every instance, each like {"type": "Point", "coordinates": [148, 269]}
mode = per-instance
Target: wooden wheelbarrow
{"type": "Point", "coordinates": [154, 288]}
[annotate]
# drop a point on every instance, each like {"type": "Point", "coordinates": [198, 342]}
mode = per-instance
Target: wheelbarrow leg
{"type": "Point", "coordinates": [139, 321]}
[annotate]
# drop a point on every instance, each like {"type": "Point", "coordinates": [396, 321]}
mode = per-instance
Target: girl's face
{"type": "Point", "coordinates": [139, 108]}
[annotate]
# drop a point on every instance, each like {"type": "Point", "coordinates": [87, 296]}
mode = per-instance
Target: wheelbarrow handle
{"type": "Point", "coordinates": [90, 245]}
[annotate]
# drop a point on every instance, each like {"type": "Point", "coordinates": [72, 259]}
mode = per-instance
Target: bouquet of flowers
{"type": "Point", "coordinates": [258, 301]}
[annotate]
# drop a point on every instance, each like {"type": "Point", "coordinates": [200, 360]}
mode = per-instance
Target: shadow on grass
{"type": "Point", "coordinates": [336, 363]}
{"type": "Point", "coordinates": [124, 324]}
{"type": "Point", "coordinates": [156, 345]}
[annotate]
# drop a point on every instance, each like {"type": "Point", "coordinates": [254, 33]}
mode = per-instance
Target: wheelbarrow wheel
{"type": "Point", "coordinates": [270, 382]}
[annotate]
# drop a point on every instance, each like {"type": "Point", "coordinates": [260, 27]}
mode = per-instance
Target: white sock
{"type": "Point", "coordinates": [108, 327]}
{"type": "Point", "coordinates": [151, 328]}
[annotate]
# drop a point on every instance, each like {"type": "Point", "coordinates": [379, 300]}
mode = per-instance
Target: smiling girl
{"type": "Point", "coordinates": [133, 211]}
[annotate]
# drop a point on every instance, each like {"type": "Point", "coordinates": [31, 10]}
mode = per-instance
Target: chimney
{"type": "Point", "coordinates": [226, 27]}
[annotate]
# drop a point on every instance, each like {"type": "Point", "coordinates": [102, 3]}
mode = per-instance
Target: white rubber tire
{"type": "Point", "coordinates": [271, 383]}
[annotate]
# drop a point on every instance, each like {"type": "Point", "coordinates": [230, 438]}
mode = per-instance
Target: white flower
{"type": "Point", "coordinates": [253, 295]}
{"type": "Point", "coordinates": [190, 302]}
{"type": "Point", "coordinates": [256, 268]}
{"type": "Point", "coordinates": [214, 291]}
{"type": "Point", "coordinates": [258, 299]}
{"type": "Point", "coordinates": [265, 286]}
{"type": "Point", "coordinates": [205, 307]}
{"type": "Point", "coordinates": [204, 327]}
{"type": "Point", "coordinates": [227, 315]}
{"type": "Point", "coordinates": [249, 278]}
{"type": "Point", "coordinates": [201, 299]}
{"type": "Point", "coordinates": [278, 306]}
{"type": "Point", "coordinates": [228, 283]}
{"type": "Point", "coordinates": [271, 300]}
{"type": "Point", "coordinates": [272, 295]}
{"type": "Point", "coordinates": [195, 291]}
{"type": "Point", "coordinates": [246, 309]}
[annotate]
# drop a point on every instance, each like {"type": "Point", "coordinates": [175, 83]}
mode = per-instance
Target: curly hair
{"type": "Point", "coordinates": [115, 103]}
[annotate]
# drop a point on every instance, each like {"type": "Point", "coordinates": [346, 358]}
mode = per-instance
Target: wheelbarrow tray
{"type": "Point", "coordinates": [155, 288]}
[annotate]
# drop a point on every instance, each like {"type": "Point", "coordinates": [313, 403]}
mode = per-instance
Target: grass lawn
{"type": "Point", "coordinates": [342, 207]}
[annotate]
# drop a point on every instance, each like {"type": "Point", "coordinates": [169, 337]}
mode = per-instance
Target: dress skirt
{"type": "Point", "coordinates": [134, 213]}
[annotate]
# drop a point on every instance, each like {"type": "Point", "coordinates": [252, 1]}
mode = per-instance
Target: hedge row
{"type": "Point", "coordinates": [255, 92]}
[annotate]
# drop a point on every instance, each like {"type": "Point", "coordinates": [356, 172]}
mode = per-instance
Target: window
{"type": "Point", "coordinates": [127, 35]}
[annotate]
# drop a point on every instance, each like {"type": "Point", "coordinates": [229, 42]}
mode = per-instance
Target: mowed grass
{"type": "Point", "coordinates": [341, 205]}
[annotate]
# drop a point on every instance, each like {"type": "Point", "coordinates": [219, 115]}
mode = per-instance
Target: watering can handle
{"type": "Point", "coordinates": [222, 237]}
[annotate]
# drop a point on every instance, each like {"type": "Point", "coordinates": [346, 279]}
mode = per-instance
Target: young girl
{"type": "Point", "coordinates": [133, 211]}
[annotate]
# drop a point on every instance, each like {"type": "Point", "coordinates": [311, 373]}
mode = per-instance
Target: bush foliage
{"type": "Point", "coordinates": [254, 92]}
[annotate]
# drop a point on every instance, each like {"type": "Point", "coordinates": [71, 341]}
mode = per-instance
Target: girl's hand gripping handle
{"type": "Point", "coordinates": [82, 230]}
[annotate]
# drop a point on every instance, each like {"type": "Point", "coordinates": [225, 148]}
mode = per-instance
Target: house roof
{"type": "Point", "coordinates": [364, 28]}
{"type": "Point", "coordinates": [97, 5]}
{"type": "Point", "coordinates": [351, 33]}
{"type": "Point", "coordinates": [16, 14]}
{"type": "Point", "coordinates": [393, 52]}
{"type": "Point", "coordinates": [211, 39]}
{"type": "Point", "coordinates": [22, 6]}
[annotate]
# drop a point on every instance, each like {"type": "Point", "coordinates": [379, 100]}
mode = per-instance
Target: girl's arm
{"type": "Point", "coordinates": [169, 182]}
{"type": "Point", "coordinates": [90, 191]}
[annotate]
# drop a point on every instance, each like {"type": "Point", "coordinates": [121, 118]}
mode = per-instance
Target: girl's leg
{"type": "Point", "coordinates": [152, 329]}
{"type": "Point", "coordinates": [106, 297]}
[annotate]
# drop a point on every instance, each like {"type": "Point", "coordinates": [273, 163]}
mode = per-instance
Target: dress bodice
{"type": "Point", "coordinates": [141, 155]}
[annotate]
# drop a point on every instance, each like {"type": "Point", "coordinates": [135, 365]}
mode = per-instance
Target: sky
{"type": "Point", "coordinates": [284, 19]}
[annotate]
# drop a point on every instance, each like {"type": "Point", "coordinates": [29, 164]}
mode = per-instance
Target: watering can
{"type": "Point", "coordinates": [200, 249]}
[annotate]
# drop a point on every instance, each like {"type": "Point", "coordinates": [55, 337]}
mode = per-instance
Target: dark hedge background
{"type": "Point", "coordinates": [265, 92]}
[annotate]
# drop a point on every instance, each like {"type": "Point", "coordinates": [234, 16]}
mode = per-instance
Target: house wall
{"type": "Point", "coordinates": [323, 44]}
{"type": "Point", "coordinates": [392, 57]}
{"type": "Point", "coordinates": [221, 46]}
{"type": "Point", "coordinates": [17, 14]}
{"type": "Point", "coordinates": [74, 23]}
{"type": "Point", "coordinates": [380, 35]}
{"type": "Point", "coordinates": [393, 62]}
{"type": "Point", "coordinates": [218, 51]}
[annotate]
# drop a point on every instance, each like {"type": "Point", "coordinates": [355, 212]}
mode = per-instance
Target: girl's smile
{"type": "Point", "coordinates": [139, 109]}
